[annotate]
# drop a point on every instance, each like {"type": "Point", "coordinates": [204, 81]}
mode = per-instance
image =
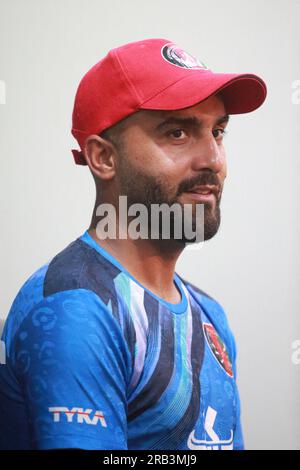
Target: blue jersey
{"type": "Point", "coordinates": [94, 360]}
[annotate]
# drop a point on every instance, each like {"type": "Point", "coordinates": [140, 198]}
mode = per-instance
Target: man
{"type": "Point", "coordinates": [107, 347]}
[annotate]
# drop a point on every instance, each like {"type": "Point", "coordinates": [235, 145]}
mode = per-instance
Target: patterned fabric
{"type": "Point", "coordinates": [94, 360]}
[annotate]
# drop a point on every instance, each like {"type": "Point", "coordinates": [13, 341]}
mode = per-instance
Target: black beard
{"type": "Point", "coordinates": [145, 189]}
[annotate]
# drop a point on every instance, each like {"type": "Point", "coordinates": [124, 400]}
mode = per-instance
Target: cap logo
{"type": "Point", "coordinates": [175, 55]}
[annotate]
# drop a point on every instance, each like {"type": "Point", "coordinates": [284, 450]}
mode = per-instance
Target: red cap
{"type": "Point", "coordinates": [154, 74]}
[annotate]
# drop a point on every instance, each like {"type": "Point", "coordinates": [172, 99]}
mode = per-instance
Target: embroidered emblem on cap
{"type": "Point", "coordinates": [175, 55]}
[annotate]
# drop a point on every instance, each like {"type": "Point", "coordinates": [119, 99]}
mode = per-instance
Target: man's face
{"type": "Point", "coordinates": [165, 154]}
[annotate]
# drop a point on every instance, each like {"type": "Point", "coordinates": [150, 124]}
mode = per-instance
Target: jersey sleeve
{"type": "Point", "coordinates": [74, 368]}
{"type": "Point", "coordinates": [218, 317]}
{"type": "Point", "coordinates": [238, 438]}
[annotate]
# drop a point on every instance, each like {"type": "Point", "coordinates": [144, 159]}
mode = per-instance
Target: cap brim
{"type": "Point", "coordinates": [241, 93]}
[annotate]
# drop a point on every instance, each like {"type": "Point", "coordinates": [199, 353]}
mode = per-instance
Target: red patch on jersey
{"type": "Point", "coordinates": [218, 348]}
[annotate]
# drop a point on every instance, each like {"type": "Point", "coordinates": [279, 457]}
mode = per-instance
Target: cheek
{"type": "Point", "coordinates": [157, 160]}
{"type": "Point", "coordinates": [141, 152]}
{"type": "Point", "coordinates": [224, 168]}
{"type": "Point", "coordinates": [222, 162]}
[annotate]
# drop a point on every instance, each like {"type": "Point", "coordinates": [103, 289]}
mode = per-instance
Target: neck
{"type": "Point", "coordinates": [151, 262]}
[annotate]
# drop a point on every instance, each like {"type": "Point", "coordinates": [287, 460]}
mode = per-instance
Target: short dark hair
{"type": "Point", "coordinates": [114, 133]}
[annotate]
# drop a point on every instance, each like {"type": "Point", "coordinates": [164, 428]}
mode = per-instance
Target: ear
{"type": "Point", "coordinates": [100, 156]}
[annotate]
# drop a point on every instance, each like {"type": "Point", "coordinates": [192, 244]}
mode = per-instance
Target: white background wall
{"type": "Point", "coordinates": [252, 265]}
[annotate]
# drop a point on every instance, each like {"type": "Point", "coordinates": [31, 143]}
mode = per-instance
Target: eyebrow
{"type": "Point", "coordinates": [191, 121]}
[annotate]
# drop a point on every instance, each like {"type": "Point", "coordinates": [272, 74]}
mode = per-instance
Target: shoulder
{"type": "Point", "coordinates": [79, 266]}
{"type": "Point", "coordinates": [203, 298]}
{"type": "Point", "coordinates": [76, 285]}
{"type": "Point", "coordinates": [213, 311]}
{"type": "Point", "coordinates": [194, 288]}
{"type": "Point", "coordinates": [72, 328]}
{"type": "Point", "coordinates": [65, 314]}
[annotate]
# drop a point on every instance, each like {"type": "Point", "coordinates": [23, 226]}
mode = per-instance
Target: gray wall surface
{"type": "Point", "coordinates": [252, 266]}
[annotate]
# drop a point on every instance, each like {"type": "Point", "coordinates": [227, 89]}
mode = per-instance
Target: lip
{"type": "Point", "coordinates": [197, 193]}
{"type": "Point", "coordinates": [202, 197]}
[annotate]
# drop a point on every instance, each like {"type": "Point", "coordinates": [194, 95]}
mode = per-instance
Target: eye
{"type": "Point", "coordinates": [177, 134]}
{"type": "Point", "coordinates": [219, 133]}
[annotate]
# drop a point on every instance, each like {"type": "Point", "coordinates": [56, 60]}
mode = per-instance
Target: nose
{"type": "Point", "coordinates": [208, 154]}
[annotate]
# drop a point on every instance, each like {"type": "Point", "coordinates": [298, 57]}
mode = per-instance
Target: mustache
{"type": "Point", "coordinates": [201, 179]}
